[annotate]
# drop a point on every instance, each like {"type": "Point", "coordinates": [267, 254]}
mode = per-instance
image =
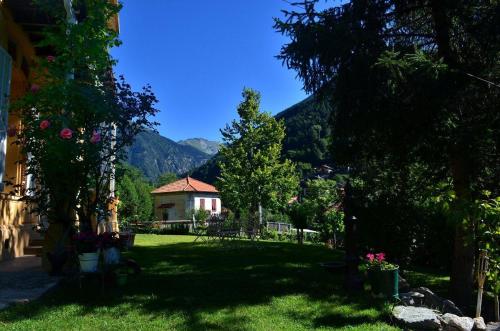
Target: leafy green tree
{"type": "Point", "coordinates": [166, 178]}
{"type": "Point", "coordinates": [134, 192]}
{"type": "Point", "coordinates": [253, 173]}
{"type": "Point", "coordinates": [323, 200]}
{"type": "Point", "coordinates": [412, 84]}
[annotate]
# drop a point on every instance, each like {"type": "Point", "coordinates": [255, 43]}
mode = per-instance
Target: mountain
{"type": "Point", "coordinates": [307, 128]}
{"type": "Point", "coordinates": [203, 145]}
{"type": "Point", "coordinates": [154, 155]}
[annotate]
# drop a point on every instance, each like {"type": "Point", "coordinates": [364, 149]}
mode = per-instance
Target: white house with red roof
{"type": "Point", "coordinates": [174, 201]}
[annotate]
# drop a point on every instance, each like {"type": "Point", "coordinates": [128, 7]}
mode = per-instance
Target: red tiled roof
{"type": "Point", "coordinates": [187, 184]}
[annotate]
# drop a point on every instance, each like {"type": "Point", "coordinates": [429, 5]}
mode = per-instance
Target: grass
{"type": "Point", "coordinates": [197, 286]}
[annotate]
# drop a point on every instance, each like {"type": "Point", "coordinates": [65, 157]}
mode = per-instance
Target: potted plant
{"type": "Point", "coordinates": [382, 276]}
{"type": "Point", "coordinates": [109, 243]}
{"type": "Point", "coordinates": [87, 248]}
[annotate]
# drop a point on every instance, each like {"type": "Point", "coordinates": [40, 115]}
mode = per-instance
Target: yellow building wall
{"type": "Point", "coordinates": [15, 220]}
{"type": "Point", "coordinates": [178, 199]}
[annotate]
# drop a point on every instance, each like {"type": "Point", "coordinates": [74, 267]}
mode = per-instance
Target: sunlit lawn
{"type": "Point", "coordinates": [198, 286]}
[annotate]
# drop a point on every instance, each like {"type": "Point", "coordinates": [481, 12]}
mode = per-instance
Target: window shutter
{"type": "Point", "coordinates": [5, 73]}
{"type": "Point", "coordinates": [214, 204]}
{"type": "Point", "coordinates": [202, 204]}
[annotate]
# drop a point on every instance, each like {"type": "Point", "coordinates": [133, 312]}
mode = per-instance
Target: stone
{"type": "Point", "coordinates": [450, 307]}
{"type": "Point", "coordinates": [419, 318]}
{"type": "Point", "coordinates": [412, 298]}
{"type": "Point", "coordinates": [431, 300]}
{"type": "Point", "coordinates": [493, 326]}
{"type": "Point", "coordinates": [457, 323]}
{"type": "Point", "coordinates": [479, 324]}
{"type": "Point", "coordinates": [403, 284]}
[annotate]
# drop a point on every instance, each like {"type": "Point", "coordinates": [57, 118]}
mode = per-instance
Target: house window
{"type": "Point", "coordinates": [202, 204]}
{"type": "Point", "coordinates": [214, 205]}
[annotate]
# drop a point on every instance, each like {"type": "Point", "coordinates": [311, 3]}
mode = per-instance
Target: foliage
{"type": "Point", "coordinates": [409, 85]}
{"type": "Point", "coordinates": [324, 203]}
{"type": "Point", "coordinates": [378, 262]}
{"type": "Point", "coordinates": [307, 132]}
{"type": "Point", "coordinates": [134, 193]}
{"type": "Point", "coordinates": [77, 122]}
{"type": "Point", "coordinates": [252, 171]}
{"type": "Point", "coordinates": [166, 178]}
{"type": "Point", "coordinates": [489, 239]}
{"type": "Point", "coordinates": [199, 214]}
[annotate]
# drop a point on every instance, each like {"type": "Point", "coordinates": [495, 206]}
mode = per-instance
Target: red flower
{"type": "Point", "coordinates": [380, 257]}
{"type": "Point", "coordinates": [370, 257]}
{"type": "Point", "coordinates": [35, 88]}
{"type": "Point", "coordinates": [51, 58]}
{"type": "Point", "coordinates": [96, 137]}
{"type": "Point", "coordinates": [66, 133]}
{"type": "Point", "coordinates": [44, 124]}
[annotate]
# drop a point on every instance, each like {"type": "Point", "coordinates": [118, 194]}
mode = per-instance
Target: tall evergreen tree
{"type": "Point", "coordinates": [413, 88]}
{"type": "Point", "coordinates": [253, 172]}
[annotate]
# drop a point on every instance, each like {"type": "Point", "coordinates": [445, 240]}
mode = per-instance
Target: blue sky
{"type": "Point", "coordinates": [198, 56]}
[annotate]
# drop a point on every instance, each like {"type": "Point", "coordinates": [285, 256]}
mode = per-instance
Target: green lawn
{"type": "Point", "coordinates": [195, 286]}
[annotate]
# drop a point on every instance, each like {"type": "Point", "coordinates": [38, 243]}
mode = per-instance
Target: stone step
{"type": "Point", "coordinates": [33, 250]}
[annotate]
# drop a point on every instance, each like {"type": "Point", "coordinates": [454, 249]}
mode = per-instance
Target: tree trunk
{"type": "Point", "coordinates": [497, 309]}
{"type": "Point", "coordinates": [462, 275]}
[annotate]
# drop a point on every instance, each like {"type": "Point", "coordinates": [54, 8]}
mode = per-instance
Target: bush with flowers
{"type": "Point", "coordinates": [377, 261]}
{"type": "Point", "coordinates": [77, 120]}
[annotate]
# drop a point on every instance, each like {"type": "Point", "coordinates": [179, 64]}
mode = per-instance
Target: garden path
{"type": "Point", "coordinates": [23, 280]}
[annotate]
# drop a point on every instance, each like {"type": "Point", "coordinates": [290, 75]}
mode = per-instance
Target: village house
{"type": "Point", "coordinates": [21, 24]}
{"type": "Point", "coordinates": [174, 202]}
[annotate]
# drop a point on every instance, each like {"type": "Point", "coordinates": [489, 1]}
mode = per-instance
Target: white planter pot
{"type": "Point", "coordinates": [111, 255]}
{"type": "Point", "coordinates": [89, 262]}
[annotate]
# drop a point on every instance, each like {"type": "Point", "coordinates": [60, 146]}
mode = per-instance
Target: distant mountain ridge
{"type": "Point", "coordinates": [154, 155]}
{"type": "Point", "coordinates": [206, 146]}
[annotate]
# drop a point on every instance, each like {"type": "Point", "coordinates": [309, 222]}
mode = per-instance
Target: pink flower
{"type": "Point", "coordinates": [370, 257]}
{"type": "Point", "coordinates": [66, 133]}
{"type": "Point", "coordinates": [96, 137]}
{"type": "Point", "coordinates": [380, 257]}
{"type": "Point", "coordinates": [44, 124]}
{"type": "Point", "coordinates": [35, 88]}
{"type": "Point", "coordinates": [51, 58]}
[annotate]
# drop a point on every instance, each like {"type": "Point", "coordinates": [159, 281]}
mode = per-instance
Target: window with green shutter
{"type": "Point", "coordinates": [5, 73]}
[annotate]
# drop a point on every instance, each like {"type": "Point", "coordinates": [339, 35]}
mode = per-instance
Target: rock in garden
{"type": "Point", "coordinates": [431, 300]}
{"type": "Point", "coordinates": [419, 318]}
{"type": "Point", "coordinates": [457, 323]}
{"type": "Point", "coordinates": [493, 326]}
{"type": "Point", "coordinates": [479, 324]}
{"type": "Point", "coordinates": [450, 307]}
{"type": "Point", "coordinates": [403, 285]}
{"type": "Point", "coordinates": [412, 298]}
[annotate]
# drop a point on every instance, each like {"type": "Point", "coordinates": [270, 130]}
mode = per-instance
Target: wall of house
{"type": "Point", "coordinates": [15, 221]}
{"type": "Point", "coordinates": [208, 202]}
{"type": "Point", "coordinates": [180, 201]}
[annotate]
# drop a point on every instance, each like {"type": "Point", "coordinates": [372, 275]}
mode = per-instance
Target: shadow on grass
{"type": "Point", "coordinates": [195, 279]}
